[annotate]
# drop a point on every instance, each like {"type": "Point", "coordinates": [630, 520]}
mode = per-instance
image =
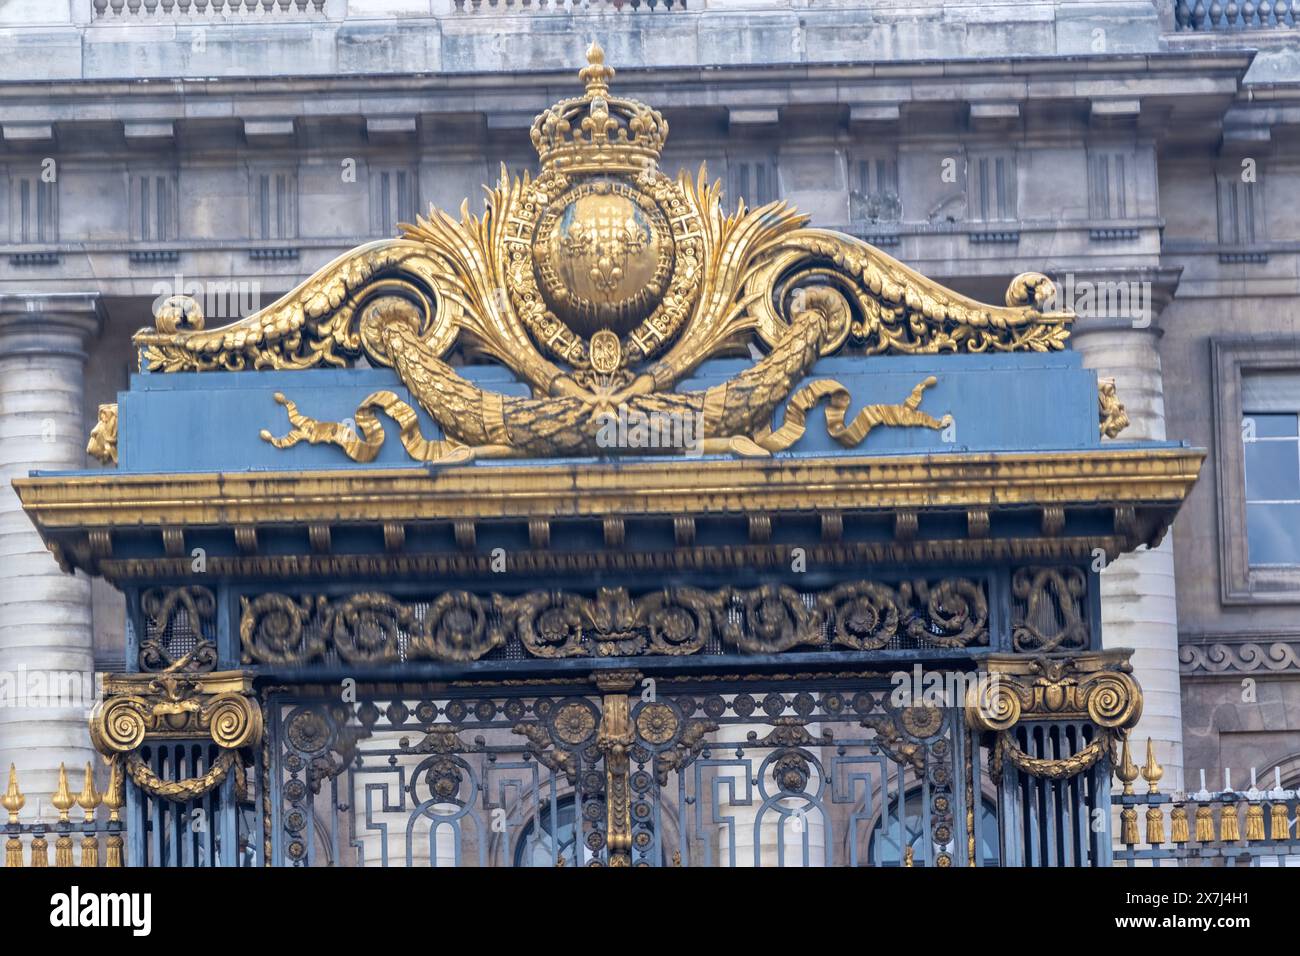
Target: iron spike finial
{"type": "Point", "coordinates": [1127, 770]}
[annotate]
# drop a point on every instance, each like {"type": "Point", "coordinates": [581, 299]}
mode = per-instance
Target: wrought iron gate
{"type": "Point", "coordinates": [862, 723]}
{"type": "Point", "coordinates": [812, 770]}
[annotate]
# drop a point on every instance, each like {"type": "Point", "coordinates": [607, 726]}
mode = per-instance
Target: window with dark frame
{"type": "Point", "coordinates": [1271, 453]}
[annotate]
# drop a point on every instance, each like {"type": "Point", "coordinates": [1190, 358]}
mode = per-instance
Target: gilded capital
{"type": "Point", "coordinates": [1014, 689]}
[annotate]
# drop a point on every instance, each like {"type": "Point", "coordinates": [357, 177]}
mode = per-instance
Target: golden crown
{"type": "Point", "coordinates": [597, 132]}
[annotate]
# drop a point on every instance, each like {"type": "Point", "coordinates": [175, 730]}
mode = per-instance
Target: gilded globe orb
{"type": "Point", "coordinates": [604, 256]}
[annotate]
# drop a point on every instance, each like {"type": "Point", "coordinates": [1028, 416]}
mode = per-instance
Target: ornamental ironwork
{"type": "Point", "coordinates": [371, 627]}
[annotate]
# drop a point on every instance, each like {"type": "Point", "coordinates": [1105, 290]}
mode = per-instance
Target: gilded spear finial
{"type": "Point", "coordinates": [89, 797]}
{"type": "Point", "coordinates": [1152, 771]}
{"type": "Point", "coordinates": [1127, 770]}
{"type": "Point", "coordinates": [596, 74]}
{"type": "Point", "coordinates": [114, 793]}
{"type": "Point", "coordinates": [13, 799]}
{"type": "Point", "coordinates": [63, 798]}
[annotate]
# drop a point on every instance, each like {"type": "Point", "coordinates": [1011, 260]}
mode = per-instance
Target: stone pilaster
{"type": "Point", "coordinates": [46, 651]}
{"type": "Point", "coordinates": [1139, 608]}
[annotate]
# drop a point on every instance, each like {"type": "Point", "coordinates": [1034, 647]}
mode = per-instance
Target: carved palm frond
{"type": "Point", "coordinates": [732, 244]}
{"type": "Point", "coordinates": [475, 254]}
{"type": "Point", "coordinates": [313, 325]}
{"type": "Point", "coordinates": [898, 309]}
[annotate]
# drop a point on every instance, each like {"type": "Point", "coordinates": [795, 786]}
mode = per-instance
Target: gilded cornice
{"type": "Point", "coordinates": [671, 487]}
{"type": "Point", "coordinates": [293, 567]}
{"type": "Point", "coordinates": [1131, 494]}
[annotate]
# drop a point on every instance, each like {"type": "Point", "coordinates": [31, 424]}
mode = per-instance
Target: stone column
{"type": "Point", "coordinates": [1139, 609]}
{"type": "Point", "coordinates": [46, 650]}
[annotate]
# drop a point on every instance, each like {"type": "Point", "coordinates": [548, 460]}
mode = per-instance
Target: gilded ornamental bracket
{"type": "Point", "coordinates": [1015, 690]}
{"type": "Point", "coordinates": [1111, 414]}
{"type": "Point", "coordinates": [140, 709]}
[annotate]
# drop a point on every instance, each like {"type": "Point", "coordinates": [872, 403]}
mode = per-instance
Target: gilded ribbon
{"type": "Point", "coordinates": [363, 447]}
{"type": "Point", "coordinates": [805, 400]}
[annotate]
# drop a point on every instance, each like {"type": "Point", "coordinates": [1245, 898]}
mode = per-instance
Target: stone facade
{"type": "Point", "coordinates": [228, 149]}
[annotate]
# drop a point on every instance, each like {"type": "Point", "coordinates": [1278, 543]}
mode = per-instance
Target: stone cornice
{"type": "Point", "coordinates": [1169, 76]}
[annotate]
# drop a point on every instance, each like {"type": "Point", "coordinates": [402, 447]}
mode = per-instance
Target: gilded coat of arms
{"type": "Point", "coordinates": [601, 282]}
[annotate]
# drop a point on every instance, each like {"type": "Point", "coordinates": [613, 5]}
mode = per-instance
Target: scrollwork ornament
{"type": "Point", "coordinates": [368, 627]}
{"type": "Point", "coordinates": [1014, 689]}
{"type": "Point", "coordinates": [162, 606]}
{"type": "Point", "coordinates": [547, 623]}
{"type": "Point", "coordinates": [120, 724]}
{"type": "Point", "coordinates": [773, 618]}
{"type": "Point", "coordinates": [233, 721]}
{"type": "Point", "coordinates": [1113, 699]}
{"type": "Point", "coordinates": [273, 629]}
{"type": "Point", "coordinates": [956, 613]}
{"type": "Point", "coordinates": [992, 704]}
{"type": "Point", "coordinates": [139, 709]}
{"type": "Point", "coordinates": [456, 629]}
{"type": "Point", "coordinates": [864, 615]}
{"type": "Point", "coordinates": [678, 621]}
{"type": "Point", "coordinates": [1052, 614]}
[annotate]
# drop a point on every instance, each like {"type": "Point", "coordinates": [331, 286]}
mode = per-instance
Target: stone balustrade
{"type": "Point", "coordinates": [135, 10]}
{"type": "Point", "coordinates": [1197, 15]}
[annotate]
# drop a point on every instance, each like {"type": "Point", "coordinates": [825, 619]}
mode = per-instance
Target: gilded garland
{"type": "Point", "coordinates": [602, 283]}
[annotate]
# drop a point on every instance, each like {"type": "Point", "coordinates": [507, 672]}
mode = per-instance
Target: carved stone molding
{"type": "Point", "coordinates": [1240, 657]}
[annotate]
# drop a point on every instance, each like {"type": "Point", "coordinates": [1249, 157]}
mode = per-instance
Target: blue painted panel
{"type": "Point", "coordinates": [210, 421]}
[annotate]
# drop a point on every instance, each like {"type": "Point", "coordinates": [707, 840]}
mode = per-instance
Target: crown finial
{"type": "Point", "coordinates": [596, 74]}
{"type": "Point", "coordinates": [599, 132]}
